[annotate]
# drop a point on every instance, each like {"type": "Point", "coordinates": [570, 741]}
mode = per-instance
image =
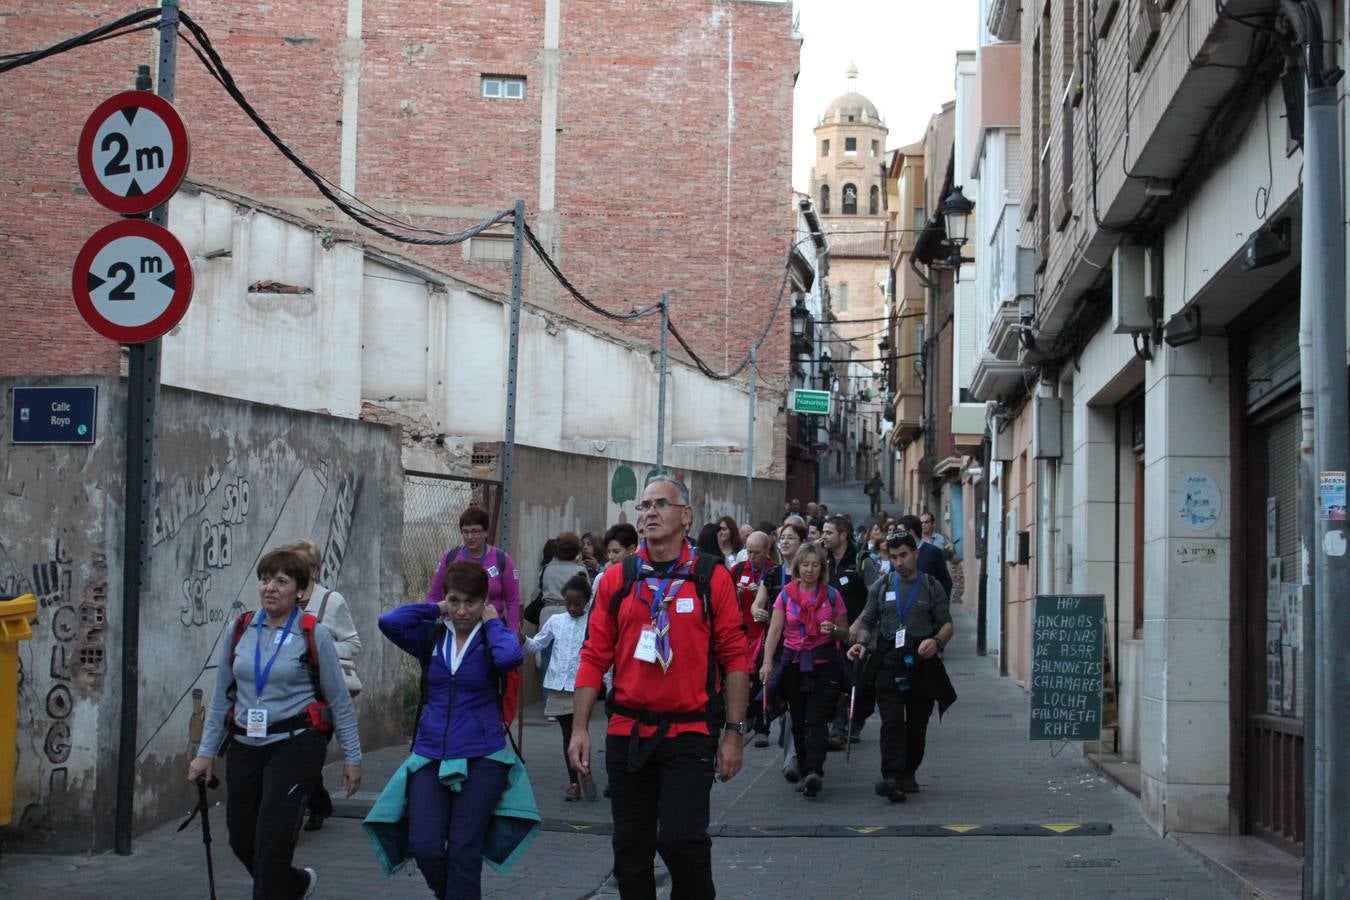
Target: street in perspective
{"type": "Point", "coordinates": [711, 448]}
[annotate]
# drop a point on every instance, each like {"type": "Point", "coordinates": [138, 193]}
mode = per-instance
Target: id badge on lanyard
{"type": "Point", "coordinates": [893, 596]}
{"type": "Point", "coordinates": [645, 651]}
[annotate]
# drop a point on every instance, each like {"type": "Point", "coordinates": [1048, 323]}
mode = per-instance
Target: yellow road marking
{"type": "Point", "coordinates": [1061, 827]}
{"type": "Point", "coordinates": [960, 829]}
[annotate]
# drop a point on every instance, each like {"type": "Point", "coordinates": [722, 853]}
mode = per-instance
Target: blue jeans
{"type": "Point", "coordinates": [446, 829]}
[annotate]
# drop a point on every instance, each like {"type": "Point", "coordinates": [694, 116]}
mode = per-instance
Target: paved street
{"type": "Point", "coordinates": [980, 771]}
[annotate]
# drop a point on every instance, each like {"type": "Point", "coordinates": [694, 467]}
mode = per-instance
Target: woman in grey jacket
{"type": "Point", "coordinates": [331, 609]}
{"type": "Point", "coordinates": [271, 701]}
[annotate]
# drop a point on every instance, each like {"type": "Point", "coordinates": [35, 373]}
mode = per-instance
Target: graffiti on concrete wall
{"type": "Point", "coordinates": [72, 616]}
{"type": "Point", "coordinates": [626, 487]}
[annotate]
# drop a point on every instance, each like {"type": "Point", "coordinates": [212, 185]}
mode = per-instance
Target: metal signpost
{"type": "Point", "coordinates": [661, 386]}
{"type": "Point", "coordinates": [132, 282]}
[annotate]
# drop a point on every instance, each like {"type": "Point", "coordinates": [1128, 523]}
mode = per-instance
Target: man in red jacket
{"type": "Point", "coordinates": [662, 748]}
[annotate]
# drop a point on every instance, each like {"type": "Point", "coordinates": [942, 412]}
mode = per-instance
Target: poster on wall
{"type": "Point", "coordinates": [1331, 497]}
{"type": "Point", "coordinates": [1198, 501]}
{"type": "Point", "coordinates": [1274, 669]}
{"type": "Point", "coordinates": [1274, 592]}
{"type": "Point", "coordinates": [1292, 602]}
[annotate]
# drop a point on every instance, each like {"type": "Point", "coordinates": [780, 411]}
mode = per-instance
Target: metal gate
{"type": "Point", "coordinates": [432, 505]}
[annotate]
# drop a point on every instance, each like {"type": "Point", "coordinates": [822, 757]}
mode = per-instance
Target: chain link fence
{"type": "Point", "coordinates": [432, 505]}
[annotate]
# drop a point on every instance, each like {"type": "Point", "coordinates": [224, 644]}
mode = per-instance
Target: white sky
{"type": "Point", "coordinates": [905, 51]}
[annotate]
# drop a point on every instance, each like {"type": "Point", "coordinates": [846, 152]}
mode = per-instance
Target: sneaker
{"type": "Point", "coordinates": [792, 775]}
{"type": "Point", "coordinates": [908, 784]}
{"type": "Point", "coordinates": [835, 741]}
{"type": "Point", "coordinates": [890, 789]}
{"type": "Point", "coordinates": [811, 785]}
{"type": "Point", "coordinates": [313, 882]}
{"type": "Point", "coordinates": [761, 740]}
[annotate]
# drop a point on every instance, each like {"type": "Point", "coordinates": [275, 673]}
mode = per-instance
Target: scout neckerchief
{"type": "Point", "coordinates": [663, 590]}
{"type": "Point", "coordinates": [756, 576]}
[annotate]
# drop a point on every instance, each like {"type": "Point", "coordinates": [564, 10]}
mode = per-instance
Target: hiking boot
{"type": "Point", "coordinates": [836, 741]}
{"type": "Point", "coordinates": [792, 775]}
{"type": "Point", "coordinates": [761, 739]}
{"type": "Point", "coordinates": [908, 784]}
{"type": "Point", "coordinates": [890, 789]}
{"type": "Point", "coordinates": [811, 785]}
{"type": "Point", "coordinates": [313, 882]}
{"type": "Point", "coordinates": [314, 821]}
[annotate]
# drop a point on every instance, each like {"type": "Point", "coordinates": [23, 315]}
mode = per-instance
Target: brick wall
{"type": "Point", "coordinates": [673, 146]}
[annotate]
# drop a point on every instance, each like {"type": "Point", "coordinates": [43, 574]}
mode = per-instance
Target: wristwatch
{"type": "Point", "coordinates": [738, 727]}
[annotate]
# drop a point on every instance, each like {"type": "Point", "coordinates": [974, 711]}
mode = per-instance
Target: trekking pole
{"type": "Point", "coordinates": [203, 807]}
{"type": "Point", "coordinates": [852, 699]}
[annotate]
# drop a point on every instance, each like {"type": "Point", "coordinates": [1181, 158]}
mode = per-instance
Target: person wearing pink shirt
{"type": "Point", "coordinates": [808, 617]}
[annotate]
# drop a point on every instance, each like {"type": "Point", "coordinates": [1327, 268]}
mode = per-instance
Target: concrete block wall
{"type": "Point", "coordinates": [234, 479]}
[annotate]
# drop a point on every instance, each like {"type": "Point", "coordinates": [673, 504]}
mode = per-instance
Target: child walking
{"type": "Point", "coordinates": [561, 637]}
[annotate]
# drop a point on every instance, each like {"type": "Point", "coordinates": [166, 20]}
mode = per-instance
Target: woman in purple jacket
{"type": "Point", "coordinates": [461, 720]}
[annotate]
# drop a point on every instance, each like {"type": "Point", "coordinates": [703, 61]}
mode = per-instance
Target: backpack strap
{"type": "Point", "coordinates": [311, 655]}
{"type": "Point", "coordinates": [501, 563]}
{"type": "Point", "coordinates": [630, 572]}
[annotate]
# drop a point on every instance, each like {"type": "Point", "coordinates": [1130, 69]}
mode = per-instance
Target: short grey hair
{"type": "Point", "coordinates": [680, 487]}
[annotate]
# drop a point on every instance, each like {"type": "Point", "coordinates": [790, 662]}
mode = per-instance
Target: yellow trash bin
{"type": "Point", "coordinates": [14, 615]}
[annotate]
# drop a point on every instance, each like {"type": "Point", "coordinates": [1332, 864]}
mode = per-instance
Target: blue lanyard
{"type": "Point", "coordinates": [895, 589]}
{"type": "Point", "coordinates": [260, 675]}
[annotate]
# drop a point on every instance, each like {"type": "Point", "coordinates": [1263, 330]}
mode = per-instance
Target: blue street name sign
{"type": "Point", "coordinates": [54, 415]}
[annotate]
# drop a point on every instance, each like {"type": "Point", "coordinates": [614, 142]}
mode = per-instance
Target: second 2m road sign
{"type": "Point", "coordinates": [132, 281]}
{"type": "Point", "coordinates": [133, 152]}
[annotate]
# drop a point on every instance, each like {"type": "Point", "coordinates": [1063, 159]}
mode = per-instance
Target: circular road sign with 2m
{"type": "Point", "coordinates": [132, 281]}
{"type": "Point", "coordinates": [133, 152]}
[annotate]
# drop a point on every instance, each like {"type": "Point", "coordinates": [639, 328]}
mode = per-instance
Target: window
{"type": "Point", "coordinates": [876, 148]}
{"type": "Point", "coordinates": [824, 148]}
{"type": "Point", "coordinates": [824, 199]}
{"type": "Point", "coordinates": [850, 204]}
{"type": "Point", "coordinates": [499, 87]}
{"type": "Point", "coordinates": [491, 248]}
{"type": "Point", "coordinates": [873, 201]}
{"type": "Point", "coordinates": [850, 146]}
{"type": "Point", "coordinates": [843, 296]}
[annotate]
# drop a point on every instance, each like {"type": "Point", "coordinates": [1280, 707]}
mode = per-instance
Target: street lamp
{"type": "Point", "coordinates": [884, 345]}
{"type": "Point", "coordinates": [800, 317]}
{"type": "Point", "coordinates": [956, 211]}
{"type": "Point", "coordinates": [826, 370]}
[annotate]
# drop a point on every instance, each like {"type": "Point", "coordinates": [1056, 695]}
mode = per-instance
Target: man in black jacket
{"type": "Point", "coordinates": [932, 561]}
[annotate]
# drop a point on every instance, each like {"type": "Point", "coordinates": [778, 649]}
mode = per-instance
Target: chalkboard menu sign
{"type": "Point", "coordinates": [1066, 667]}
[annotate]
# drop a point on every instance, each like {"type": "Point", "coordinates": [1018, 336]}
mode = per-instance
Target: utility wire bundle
{"type": "Point", "coordinates": [362, 212]}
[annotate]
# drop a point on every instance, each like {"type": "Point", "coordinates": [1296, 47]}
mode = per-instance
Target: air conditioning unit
{"type": "Point", "coordinates": [1045, 427]}
{"type": "Point", "coordinates": [1129, 290]}
{"type": "Point", "coordinates": [1026, 272]}
{"type": "Point", "coordinates": [1001, 442]}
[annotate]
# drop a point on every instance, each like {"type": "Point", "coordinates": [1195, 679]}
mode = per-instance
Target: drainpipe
{"type": "Point", "coordinates": [1322, 312]}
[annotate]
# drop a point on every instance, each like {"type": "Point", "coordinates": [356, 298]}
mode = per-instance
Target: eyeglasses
{"type": "Point", "coordinates": [660, 504]}
{"type": "Point", "coordinates": [473, 531]}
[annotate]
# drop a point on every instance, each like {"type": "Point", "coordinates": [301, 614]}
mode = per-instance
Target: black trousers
{"type": "Point", "coordinates": [812, 699]}
{"type": "Point", "coordinates": [269, 787]}
{"type": "Point", "coordinates": [863, 706]}
{"type": "Point", "coordinates": [565, 723]}
{"type": "Point", "coordinates": [663, 808]}
{"type": "Point", "coordinates": [904, 723]}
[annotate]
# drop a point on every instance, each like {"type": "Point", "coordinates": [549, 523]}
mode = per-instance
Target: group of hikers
{"type": "Point", "coordinates": [696, 640]}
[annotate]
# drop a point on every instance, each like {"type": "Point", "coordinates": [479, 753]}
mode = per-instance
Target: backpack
{"type": "Point", "coordinates": [317, 715]}
{"type": "Point", "coordinates": [423, 684]}
{"type": "Point", "coordinates": [501, 558]}
{"type": "Point", "coordinates": [715, 714]}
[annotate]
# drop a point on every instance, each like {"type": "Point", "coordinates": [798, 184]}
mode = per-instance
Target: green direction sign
{"type": "Point", "coordinates": [815, 403]}
{"type": "Point", "coordinates": [1067, 667]}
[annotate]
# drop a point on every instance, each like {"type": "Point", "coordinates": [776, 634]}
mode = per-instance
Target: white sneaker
{"type": "Point", "coordinates": [313, 882]}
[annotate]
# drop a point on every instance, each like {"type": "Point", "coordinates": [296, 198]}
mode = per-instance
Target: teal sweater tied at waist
{"type": "Point", "coordinates": [512, 828]}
